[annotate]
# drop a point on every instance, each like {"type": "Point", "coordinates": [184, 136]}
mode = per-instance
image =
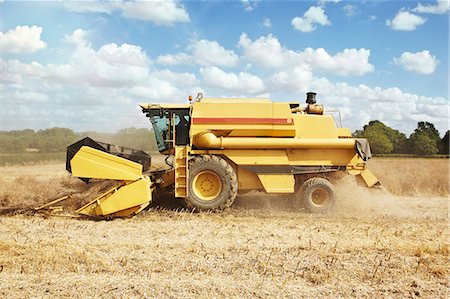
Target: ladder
{"type": "Point", "coordinates": [181, 171]}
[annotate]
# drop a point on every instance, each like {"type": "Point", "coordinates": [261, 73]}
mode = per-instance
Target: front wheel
{"type": "Point", "coordinates": [318, 195]}
{"type": "Point", "coordinates": [212, 183]}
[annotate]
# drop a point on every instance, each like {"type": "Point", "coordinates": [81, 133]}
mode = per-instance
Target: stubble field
{"type": "Point", "coordinates": [383, 244]}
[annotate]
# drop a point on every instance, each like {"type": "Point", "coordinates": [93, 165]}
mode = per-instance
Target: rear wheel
{"type": "Point", "coordinates": [212, 183]}
{"type": "Point", "coordinates": [318, 195]}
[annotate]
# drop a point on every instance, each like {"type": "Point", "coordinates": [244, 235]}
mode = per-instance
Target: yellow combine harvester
{"type": "Point", "coordinates": [223, 147]}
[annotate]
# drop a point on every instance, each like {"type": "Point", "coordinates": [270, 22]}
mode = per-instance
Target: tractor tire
{"type": "Point", "coordinates": [318, 195]}
{"type": "Point", "coordinates": [212, 183]}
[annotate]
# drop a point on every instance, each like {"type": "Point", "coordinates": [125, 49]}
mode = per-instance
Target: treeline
{"type": "Point", "coordinates": [57, 139]}
{"type": "Point", "coordinates": [424, 141]}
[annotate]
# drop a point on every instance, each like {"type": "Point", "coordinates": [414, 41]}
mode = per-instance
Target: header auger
{"type": "Point", "coordinates": [223, 147]}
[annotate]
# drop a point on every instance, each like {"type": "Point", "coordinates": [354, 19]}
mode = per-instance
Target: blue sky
{"type": "Point", "coordinates": [86, 65]}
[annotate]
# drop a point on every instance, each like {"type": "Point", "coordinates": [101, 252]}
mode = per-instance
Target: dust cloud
{"type": "Point", "coordinates": [359, 201]}
{"type": "Point", "coordinates": [355, 201]}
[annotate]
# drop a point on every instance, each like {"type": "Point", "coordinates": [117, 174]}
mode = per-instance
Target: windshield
{"type": "Point", "coordinates": [161, 129]}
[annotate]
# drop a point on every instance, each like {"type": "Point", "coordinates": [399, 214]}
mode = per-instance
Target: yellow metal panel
{"type": "Point", "coordinates": [247, 179]}
{"type": "Point", "coordinates": [119, 199]}
{"type": "Point", "coordinates": [369, 178]}
{"type": "Point", "coordinates": [91, 163]}
{"type": "Point", "coordinates": [320, 156]}
{"type": "Point", "coordinates": [277, 183]}
{"type": "Point", "coordinates": [234, 109]}
{"type": "Point", "coordinates": [291, 156]}
{"type": "Point", "coordinates": [131, 211]}
{"type": "Point", "coordinates": [249, 131]}
{"type": "Point", "coordinates": [315, 126]}
{"type": "Point", "coordinates": [234, 100]}
{"type": "Point", "coordinates": [344, 132]}
{"type": "Point", "coordinates": [257, 157]}
{"type": "Point", "coordinates": [280, 111]}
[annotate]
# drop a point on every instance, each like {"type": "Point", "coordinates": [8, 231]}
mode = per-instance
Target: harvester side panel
{"type": "Point", "coordinates": [277, 183]}
{"type": "Point", "coordinates": [244, 118]}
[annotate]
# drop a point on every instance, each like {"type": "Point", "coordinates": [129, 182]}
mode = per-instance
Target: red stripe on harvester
{"type": "Point", "coordinates": [241, 120]}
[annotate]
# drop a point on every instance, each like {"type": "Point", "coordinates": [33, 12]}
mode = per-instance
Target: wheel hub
{"type": "Point", "coordinates": [207, 185]}
{"type": "Point", "coordinates": [320, 197]}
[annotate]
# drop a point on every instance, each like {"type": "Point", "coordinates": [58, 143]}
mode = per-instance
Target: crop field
{"type": "Point", "coordinates": [391, 243]}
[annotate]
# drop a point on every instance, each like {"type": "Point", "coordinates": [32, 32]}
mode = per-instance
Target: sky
{"type": "Point", "coordinates": [87, 65]}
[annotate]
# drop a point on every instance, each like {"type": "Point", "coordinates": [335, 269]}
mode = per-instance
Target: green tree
{"type": "Point", "coordinates": [379, 142]}
{"type": "Point", "coordinates": [138, 138]}
{"type": "Point", "coordinates": [444, 144]}
{"type": "Point", "coordinates": [56, 139]}
{"type": "Point", "coordinates": [425, 139]}
{"type": "Point", "coordinates": [423, 144]}
{"type": "Point", "coordinates": [382, 139]}
{"type": "Point", "coordinates": [428, 128]}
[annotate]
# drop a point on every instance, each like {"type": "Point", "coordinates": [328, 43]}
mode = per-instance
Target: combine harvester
{"type": "Point", "coordinates": [223, 147]}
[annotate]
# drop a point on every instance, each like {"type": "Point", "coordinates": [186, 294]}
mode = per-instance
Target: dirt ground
{"type": "Point", "coordinates": [374, 244]}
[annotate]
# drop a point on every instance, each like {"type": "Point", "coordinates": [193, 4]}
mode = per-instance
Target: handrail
{"type": "Point", "coordinates": [340, 116]}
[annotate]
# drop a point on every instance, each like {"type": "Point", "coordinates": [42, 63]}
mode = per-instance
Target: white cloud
{"type": "Point", "coordinates": [249, 5]}
{"type": "Point", "coordinates": [93, 6]}
{"type": "Point", "coordinates": [159, 12]}
{"type": "Point", "coordinates": [267, 52]}
{"type": "Point", "coordinates": [405, 21]}
{"type": "Point", "coordinates": [25, 97]}
{"type": "Point", "coordinates": [421, 62]}
{"type": "Point", "coordinates": [77, 37]}
{"type": "Point", "coordinates": [242, 82]}
{"type": "Point", "coordinates": [166, 12]}
{"type": "Point", "coordinates": [124, 54]}
{"type": "Point", "coordinates": [96, 89]}
{"type": "Point", "coordinates": [111, 66]}
{"type": "Point", "coordinates": [202, 52]}
{"type": "Point", "coordinates": [441, 7]}
{"type": "Point", "coordinates": [22, 39]}
{"type": "Point", "coordinates": [294, 80]}
{"type": "Point", "coordinates": [314, 15]}
{"type": "Point", "coordinates": [350, 10]}
{"type": "Point", "coordinates": [347, 62]}
{"type": "Point", "coordinates": [207, 52]}
{"type": "Point", "coordinates": [155, 90]}
{"type": "Point", "coordinates": [267, 23]}
{"type": "Point", "coordinates": [324, 2]}
{"type": "Point", "coordinates": [176, 59]}
{"type": "Point", "coordinates": [178, 79]}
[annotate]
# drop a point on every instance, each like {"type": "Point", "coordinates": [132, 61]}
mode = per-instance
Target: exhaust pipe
{"type": "Point", "coordinates": [311, 98]}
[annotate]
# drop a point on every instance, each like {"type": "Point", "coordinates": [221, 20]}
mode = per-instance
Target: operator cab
{"type": "Point", "coordinates": [171, 124]}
